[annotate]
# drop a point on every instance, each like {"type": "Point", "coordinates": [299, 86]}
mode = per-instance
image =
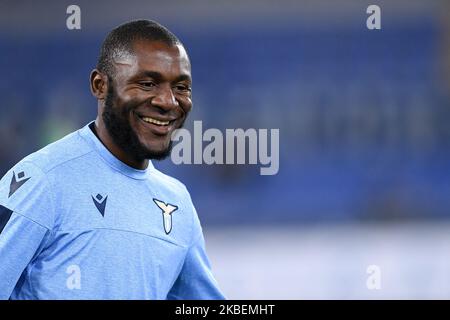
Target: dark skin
{"type": "Point", "coordinates": [156, 81]}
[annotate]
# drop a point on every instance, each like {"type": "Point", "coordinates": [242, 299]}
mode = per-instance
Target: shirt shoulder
{"type": "Point", "coordinates": [28, 188]}
{"type": "Point", "coordinates": [58, 153]}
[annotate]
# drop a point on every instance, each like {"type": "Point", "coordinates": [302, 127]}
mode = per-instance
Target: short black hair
{"type": "Point", "coordinates": [121, 39]}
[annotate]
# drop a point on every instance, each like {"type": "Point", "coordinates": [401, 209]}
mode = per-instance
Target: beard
{"type": "Point", "coordinates": [117, 123]}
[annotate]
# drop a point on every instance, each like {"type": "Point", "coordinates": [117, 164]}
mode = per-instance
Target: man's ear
{"type": "Point", "coordinates": [99, 84]}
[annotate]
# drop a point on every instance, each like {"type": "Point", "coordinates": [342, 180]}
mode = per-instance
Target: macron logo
{"type": "Point", "coordinates": [17, 182]}
{"type": "Point", "coordinates": [100, 203]}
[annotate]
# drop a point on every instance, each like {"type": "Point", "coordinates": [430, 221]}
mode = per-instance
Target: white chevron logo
{"type": "Point", "coordinates": [167, 210]}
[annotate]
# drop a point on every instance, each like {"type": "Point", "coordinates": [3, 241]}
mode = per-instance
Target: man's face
{"type": "Point", "coordinates": [148, 98]}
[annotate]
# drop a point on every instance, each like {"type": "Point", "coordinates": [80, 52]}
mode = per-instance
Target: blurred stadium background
{"type": "Point", "coordinates": [364, 136]}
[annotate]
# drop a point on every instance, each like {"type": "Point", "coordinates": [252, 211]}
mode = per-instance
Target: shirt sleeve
{"type": "Point", "coordinates": [196, 281]}
{"type": "Point", "coordinates": [26, 217]}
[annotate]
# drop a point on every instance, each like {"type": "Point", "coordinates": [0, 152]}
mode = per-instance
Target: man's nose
{"type": "Point", "coordinates": [165, 98]}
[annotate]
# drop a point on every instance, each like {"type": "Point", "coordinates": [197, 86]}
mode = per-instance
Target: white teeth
{"type": "Point", "coordinates": [154, 121]}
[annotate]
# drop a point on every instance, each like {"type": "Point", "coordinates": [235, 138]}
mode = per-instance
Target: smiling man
{"type": "Point", "coordinates": [88, 216]}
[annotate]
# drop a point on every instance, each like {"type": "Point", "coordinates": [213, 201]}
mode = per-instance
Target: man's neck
{"type": "Point", "coordinates": [99, 129]}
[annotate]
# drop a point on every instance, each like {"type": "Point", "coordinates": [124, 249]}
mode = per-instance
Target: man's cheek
{"type": "Point", "coordinates": [187, 105]}
{"type": "Point", "coordinates": [133, 120]}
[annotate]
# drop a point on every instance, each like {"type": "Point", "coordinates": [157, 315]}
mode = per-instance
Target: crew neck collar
{"type": "Point", "coordinates": [87, 133]}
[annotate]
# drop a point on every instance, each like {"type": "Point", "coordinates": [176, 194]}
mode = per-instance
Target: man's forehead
{"type": "Point", "coordinates": [154, 56]}
{"type": "Point", "coordinates": [124, 58]}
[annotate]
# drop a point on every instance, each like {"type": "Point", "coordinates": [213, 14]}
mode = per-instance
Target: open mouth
{"type": "Point", "coordinates": [154, 121]}
{"type": "Point", "coordinates": [157, 122]}
{"type": "Point", "coordinates": [157, 126]}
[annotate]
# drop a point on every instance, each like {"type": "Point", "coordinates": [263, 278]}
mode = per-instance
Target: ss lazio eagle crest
{"type": "Point", "coordinates": [167, 210]}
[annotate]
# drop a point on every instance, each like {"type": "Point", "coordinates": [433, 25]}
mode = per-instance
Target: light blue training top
{"type": "Point", "coordinates": [77, 223]}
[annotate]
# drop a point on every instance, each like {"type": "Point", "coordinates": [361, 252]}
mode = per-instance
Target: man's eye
{"type": "Point", "coordinates": [147, 84]}
{"type": "Point", "coordinates": [183, 88]}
